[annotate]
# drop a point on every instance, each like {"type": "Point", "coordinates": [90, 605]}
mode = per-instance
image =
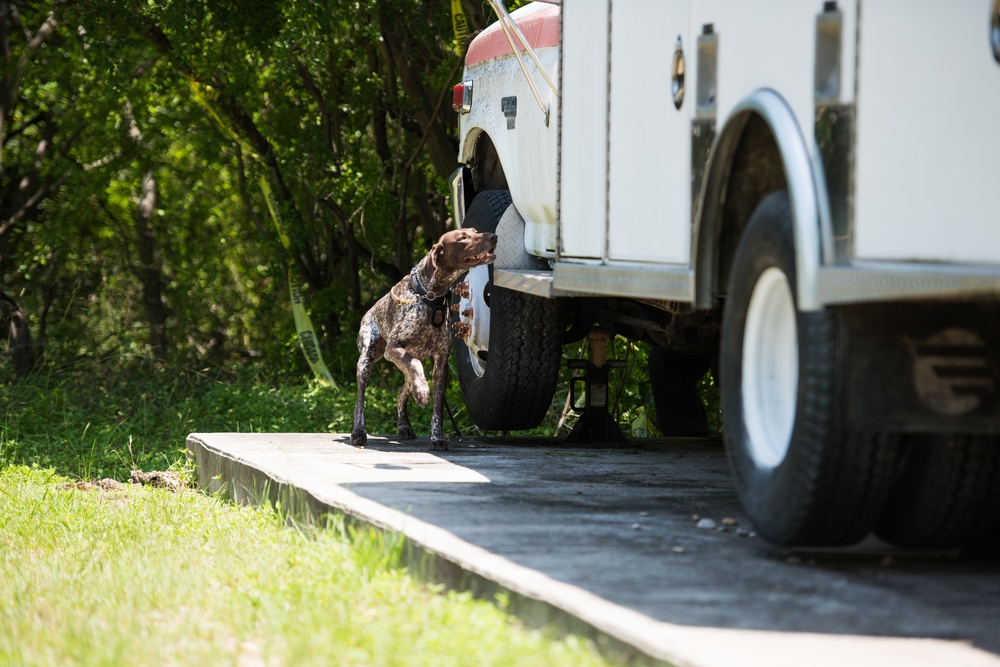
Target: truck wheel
{"type": "Point", "coordinates": [508, 364]}
{"type": "Point", "coordinates": [947, 493]}
{"type": "Point", "coordinates": [801, 478]}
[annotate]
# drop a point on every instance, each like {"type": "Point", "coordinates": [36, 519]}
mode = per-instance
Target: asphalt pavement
{"type": "Point", "coordinates": [643, 548]}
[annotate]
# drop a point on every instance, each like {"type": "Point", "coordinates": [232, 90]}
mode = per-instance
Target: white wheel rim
{"type": "Point", "coordinates": [770, 369]}
{"type": "Point", "coordinates": [479, 324]}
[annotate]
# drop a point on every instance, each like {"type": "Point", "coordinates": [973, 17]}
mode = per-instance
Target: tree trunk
{"type": "Point", "coordinates": [441, 149]}
{"type": "Point", "coordinates": [150, 269]}
{"type": "Point", "coordinates": [19, 338]}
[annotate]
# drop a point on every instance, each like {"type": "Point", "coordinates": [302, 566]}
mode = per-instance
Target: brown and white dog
{"type": "Point", "coordinates": [410, 324]}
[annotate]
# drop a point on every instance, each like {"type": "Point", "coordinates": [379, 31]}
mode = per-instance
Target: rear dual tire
{"type": "Point", "coordinates": [801, 477]}
{"type": "Point", "coordinates": [946, 495]}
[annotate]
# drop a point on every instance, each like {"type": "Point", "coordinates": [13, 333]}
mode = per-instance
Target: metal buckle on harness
{"type": "Point", "coordinates": [437, 304]}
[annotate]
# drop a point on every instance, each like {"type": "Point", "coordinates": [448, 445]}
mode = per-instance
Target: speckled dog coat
{"type": "Point", "coordinates": [409, 325]}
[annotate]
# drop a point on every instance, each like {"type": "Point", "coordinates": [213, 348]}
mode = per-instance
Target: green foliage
{"type": "Point", "coordinates": [332, 103]}
{"type": "Point", "coordinates": [317, 97]}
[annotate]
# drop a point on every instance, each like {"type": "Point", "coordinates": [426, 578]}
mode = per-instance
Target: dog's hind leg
{"type": "Point", "coordinates": [440, 379]}
{"type": "Point", "coordinates": [370, 345]}
{"type": "Point", "coordinates": [402, 416]}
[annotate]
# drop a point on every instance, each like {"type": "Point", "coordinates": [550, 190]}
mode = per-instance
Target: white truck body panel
{"type": "Point", "coordinates": [531, 143]}
{"type": "Point", "coordinates": [649, 149]}
{"type": "Point", "coordinates": [647, 221]}
{"type": "Point", "coordinates": [928, 142]}
{"type": "Point", "coordinates": [585, 126]}
{"type": "Point", "coordinates": [760, 47]}
{"type": "Point", "coordinates": [605, 188]}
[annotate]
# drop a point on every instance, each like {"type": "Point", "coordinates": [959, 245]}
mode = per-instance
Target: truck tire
{"type": "Point", "coordinates": [947, 493]}
{"type": "Point", "coordinates": [802, 479]}
{"type": "Point", "coordinates": [509, 376]}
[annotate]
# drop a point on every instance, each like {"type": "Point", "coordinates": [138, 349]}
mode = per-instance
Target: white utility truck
{"type": "Point", "coordinates": [809, 189]}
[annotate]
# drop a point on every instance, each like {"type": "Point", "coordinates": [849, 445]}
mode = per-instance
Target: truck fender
{"type": "Point", "coordinates": [806, 189]}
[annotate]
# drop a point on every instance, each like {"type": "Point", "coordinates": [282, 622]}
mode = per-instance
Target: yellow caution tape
{"type": "Point", "coordinates": [303, 324]}
{"type": "Point", "coordinates": [460, 24]}
{"type": "Point", "coordinates": [202, 93]}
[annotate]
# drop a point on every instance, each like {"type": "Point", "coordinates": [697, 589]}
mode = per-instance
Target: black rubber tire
{"type": "Point", "coordinates": [947, 494]}
{"type": "Point", "coordinates": [522, 368]}
{"type": "Point", "coordinates": [828, 488]}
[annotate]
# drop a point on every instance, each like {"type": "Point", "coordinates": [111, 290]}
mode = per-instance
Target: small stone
{"type": "Point", "coordinates": [678, 550]}
{"type": "Point", "coordinates": [743, 532]}
{"type": "Point", "coordinates": [888, 561]}
{"type": "Point", "coordinates": [753, 533]}
{"type": "Point", "coordinates": [705, 523]}
{"type": "Point", "coordinates": [695, 517]}
{"type": "Point", "coordinates": [643, 513]}
{"type": "Point", "coordinates": [636, 526]}
{"type": "Point", "coordinates": [729, 521]}
{"type": "Point", "coordinates": [793, 560]}
{"type": "Point", "coordinates": [721, 529]}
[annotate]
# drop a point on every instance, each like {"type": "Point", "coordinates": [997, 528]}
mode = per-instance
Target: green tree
{"type": "Point", "coordinates": [142, 130]}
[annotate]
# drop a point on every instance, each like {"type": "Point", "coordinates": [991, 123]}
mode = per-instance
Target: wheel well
{"type": "Point", "coordinates": [487, 171]}
{"type": "Point", "coordinates": [747, 167]}
{"type": "Point", "coordinates": [756, 172]}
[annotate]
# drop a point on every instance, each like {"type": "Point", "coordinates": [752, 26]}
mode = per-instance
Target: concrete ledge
{"type": "Point", "coordinates": [394, 487]}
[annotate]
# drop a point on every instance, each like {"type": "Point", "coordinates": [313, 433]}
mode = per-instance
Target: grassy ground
{"type": "Point", "coordinates": [92, 421]}
{"type": "Point", "coordinates": [146, 576]}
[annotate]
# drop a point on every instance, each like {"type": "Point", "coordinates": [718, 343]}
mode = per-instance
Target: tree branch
{"type": "Point", "coordinates": [440, 147]}
{"type": "Point", "coordinates": [243, 125]}
{"type": "Point", "coordinates": [313, 89]}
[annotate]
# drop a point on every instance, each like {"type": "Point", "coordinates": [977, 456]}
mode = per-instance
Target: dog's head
{"type": "Point", "coordinates": [462, 249]}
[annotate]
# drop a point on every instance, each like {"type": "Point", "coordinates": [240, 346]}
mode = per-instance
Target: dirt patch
{"type": "Point", "coordinates": [166, 479]}
{"type": "Point", "coordinates": [102, 485]}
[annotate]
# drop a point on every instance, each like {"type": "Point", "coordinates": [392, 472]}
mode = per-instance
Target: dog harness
{"type": "Point", "coordinates": [438, 304]}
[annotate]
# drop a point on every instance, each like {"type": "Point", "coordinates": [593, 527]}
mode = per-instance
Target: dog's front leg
{"type": "Point", "coordinates": [440, 379]}
{"type": "Point", "coordinates": [415, 385]}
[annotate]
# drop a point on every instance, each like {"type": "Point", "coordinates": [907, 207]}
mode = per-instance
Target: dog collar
{"type": "Point", "coordinates": [437, 304]}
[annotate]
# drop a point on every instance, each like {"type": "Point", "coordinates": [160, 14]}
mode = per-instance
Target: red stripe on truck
{"type": "Point", "coordinates": [540, 28]}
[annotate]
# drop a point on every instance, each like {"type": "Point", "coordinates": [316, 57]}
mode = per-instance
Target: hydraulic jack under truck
{"type": "Point", "coordinates": [596, 425]}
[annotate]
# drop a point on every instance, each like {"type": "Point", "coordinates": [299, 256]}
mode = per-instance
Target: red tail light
{"type": "Point", "coordinates": [461, 100]}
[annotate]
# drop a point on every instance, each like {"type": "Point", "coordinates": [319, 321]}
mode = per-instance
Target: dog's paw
{"type": "Point", "coordinates": [439, 445]}
{"type": "Point", "coordinates": [359, 437]}
{"type": "Point", "coordinates": [422, 395]}
{"type": "Point", "coordinates": [406, 432]}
